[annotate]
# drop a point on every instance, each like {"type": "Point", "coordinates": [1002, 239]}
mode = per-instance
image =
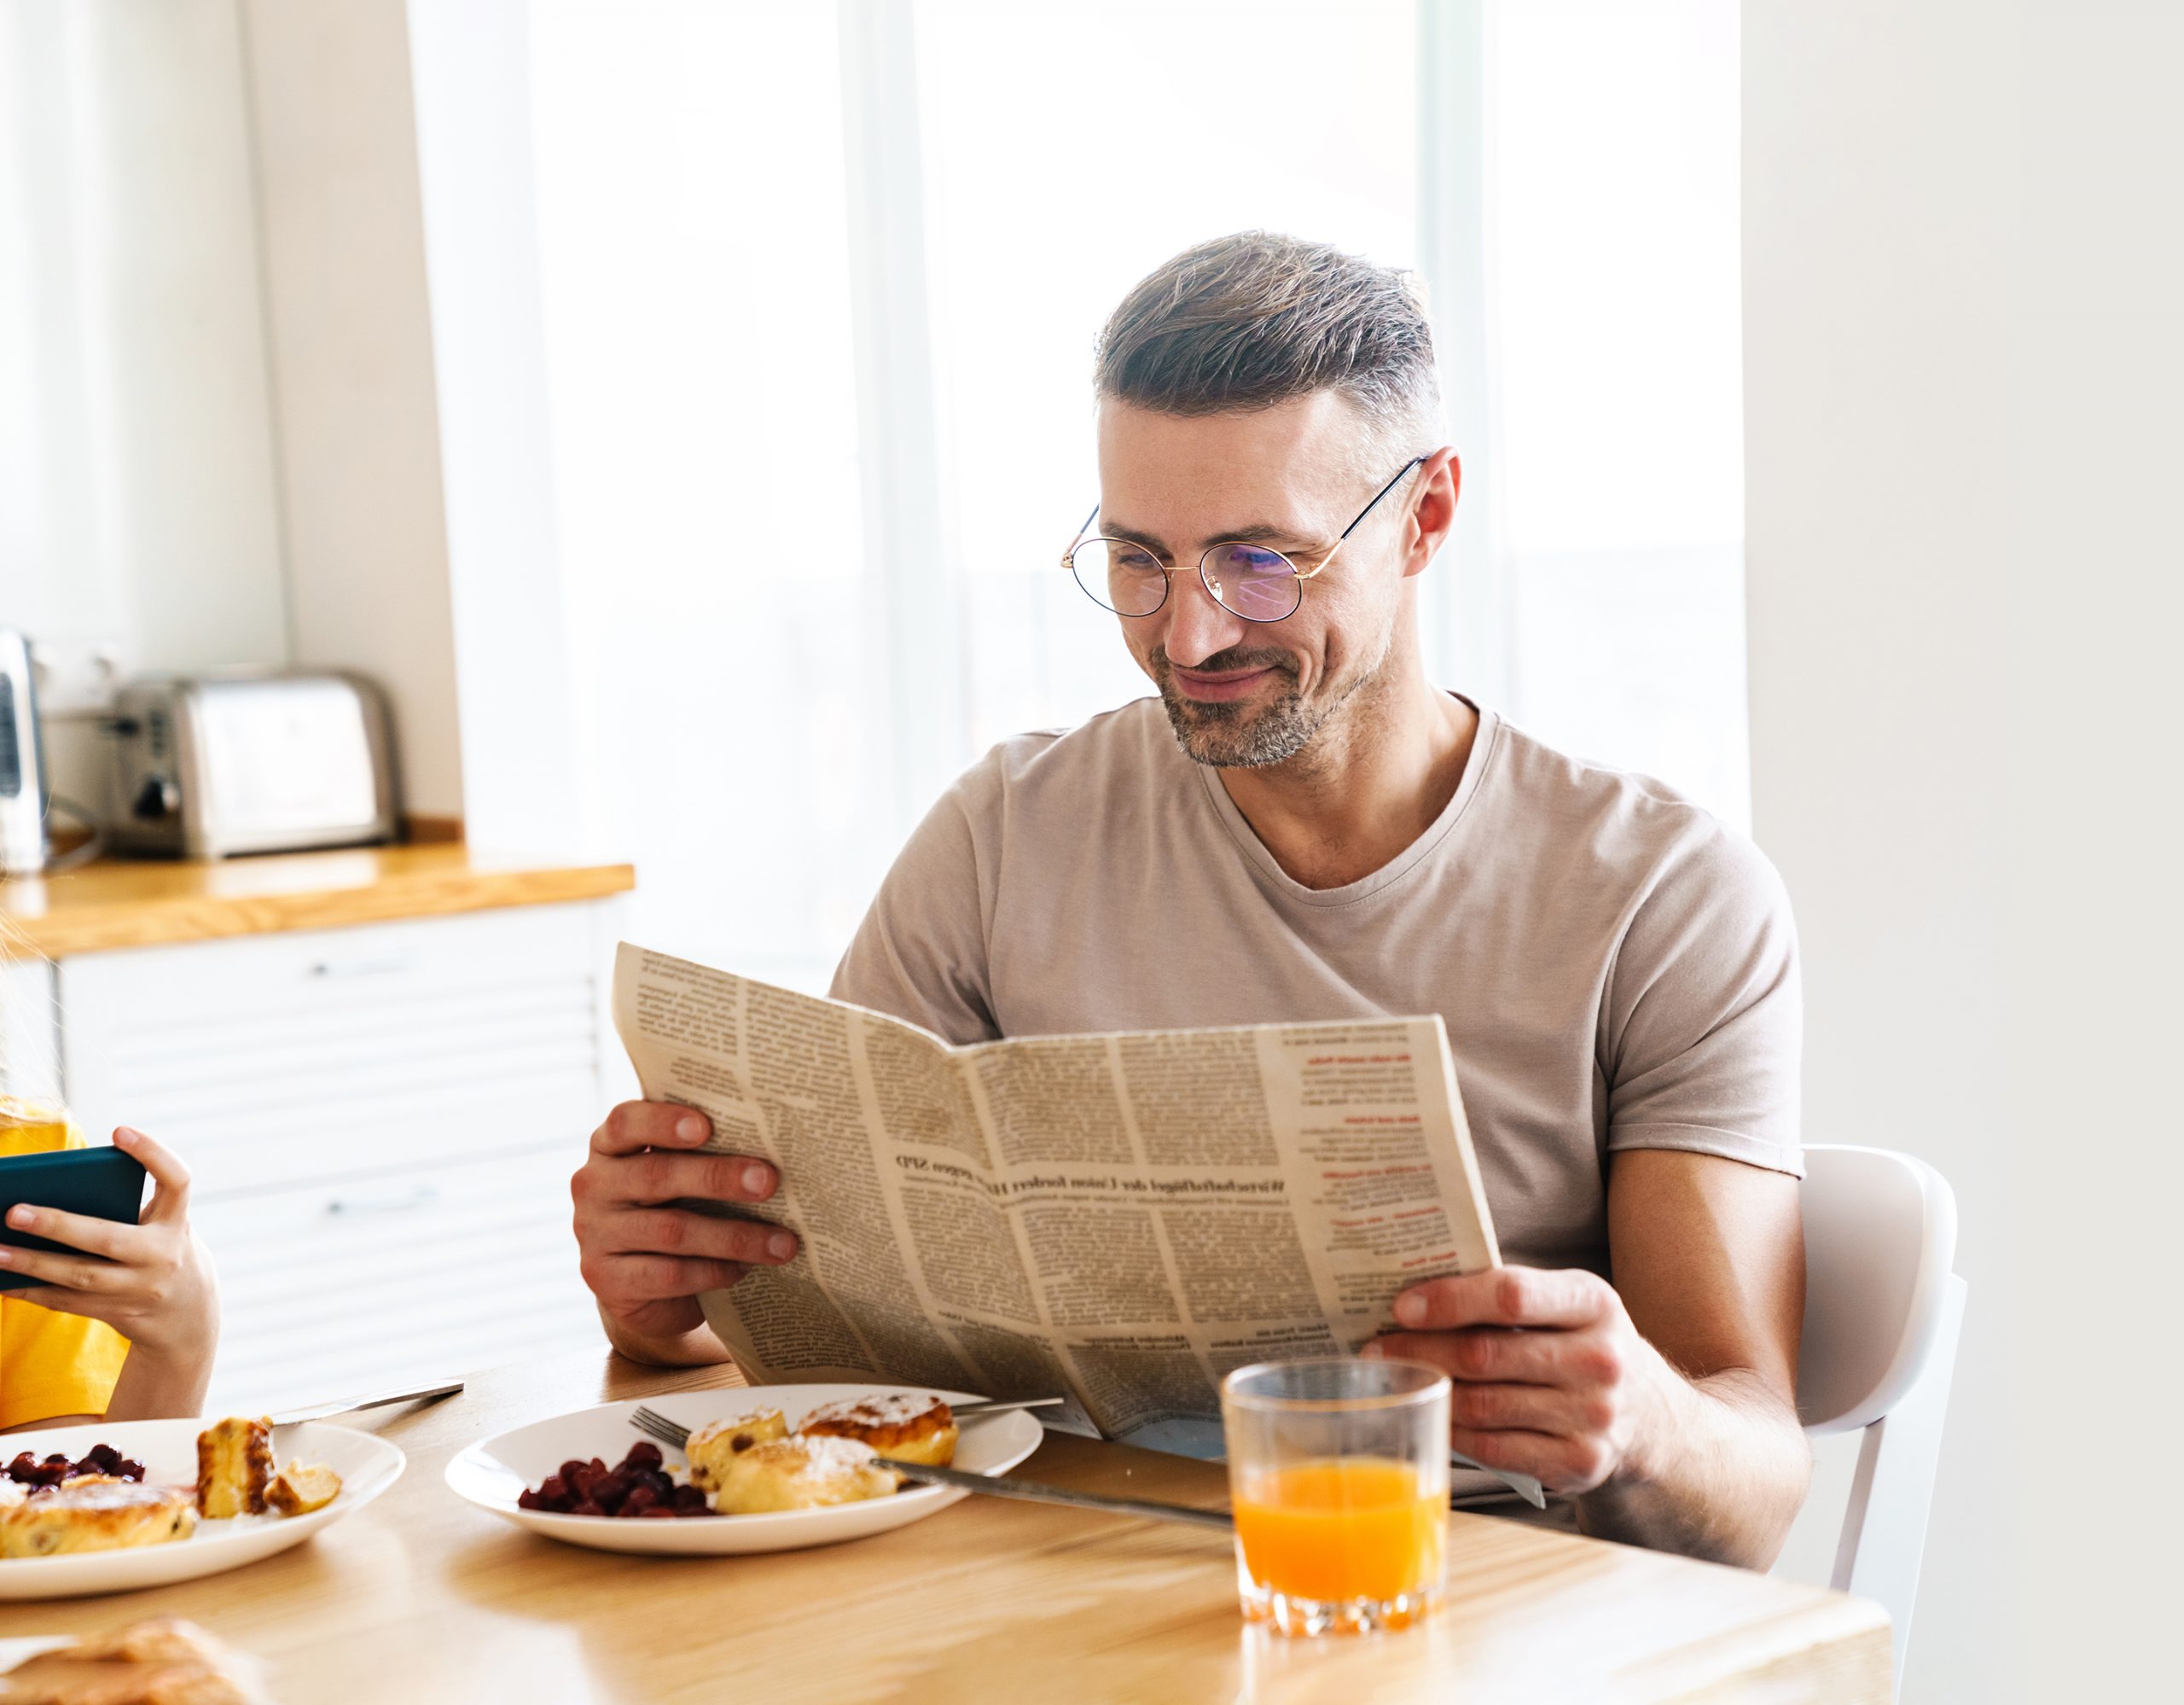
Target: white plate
{"type": "Point", "coordinates": [494, 1472]}
{"type": "Point", "coordinates": [168, 1450]}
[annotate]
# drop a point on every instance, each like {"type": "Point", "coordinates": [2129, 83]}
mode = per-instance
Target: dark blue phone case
{"type": "Point", "coordinates": [104, 1184]}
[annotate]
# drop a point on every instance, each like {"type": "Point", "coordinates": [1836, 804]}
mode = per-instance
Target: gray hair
{"type": "Point", "coordinates": [1250, 321]}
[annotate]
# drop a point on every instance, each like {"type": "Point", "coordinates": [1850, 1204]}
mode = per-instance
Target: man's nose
{"type": "Point", "coordinates": [1197, 626]}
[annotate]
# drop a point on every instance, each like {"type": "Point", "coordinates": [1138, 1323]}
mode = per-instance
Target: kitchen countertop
{"type": "Point", "coordinates": [141, 903]}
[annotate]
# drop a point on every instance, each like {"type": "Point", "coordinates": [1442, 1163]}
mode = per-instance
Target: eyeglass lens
{"type": "Point", "coordinates": [1255, 583]}
{"type": "Point", "coordinates": [1248, 580]}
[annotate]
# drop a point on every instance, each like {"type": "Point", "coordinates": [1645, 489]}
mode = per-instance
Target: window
{"type": "Point", "coordinates": [820, 313]}
{"type": "Point", "coordinates": [690, 173]}
{"type": "Point", "coordinates": [1048, 193]}
{"type": "Point", "coordinates": [1613, 171]}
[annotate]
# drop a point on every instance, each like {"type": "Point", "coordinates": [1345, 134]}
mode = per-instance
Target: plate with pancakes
{"type": "Point", "coordinates": [190, 1498]}
{"type": "Point", "coordinates": [766, 1468]}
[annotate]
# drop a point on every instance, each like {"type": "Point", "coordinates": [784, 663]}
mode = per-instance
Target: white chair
{"type": "Point", "coordinates": [1883, 1311]}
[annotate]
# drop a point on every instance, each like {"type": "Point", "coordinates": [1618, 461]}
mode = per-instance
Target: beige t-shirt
{"type": "Point", "coordinates": [1616, 969]}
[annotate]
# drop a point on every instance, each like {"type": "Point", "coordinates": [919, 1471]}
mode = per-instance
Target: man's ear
{"type": "Point", "coordinates": [1433, 509]}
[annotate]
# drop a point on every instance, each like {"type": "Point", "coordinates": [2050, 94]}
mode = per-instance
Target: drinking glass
{"type": "Point", "coordinates": [31, 1128]}
{"type": "Point", "coordinates": [1338, 1477]}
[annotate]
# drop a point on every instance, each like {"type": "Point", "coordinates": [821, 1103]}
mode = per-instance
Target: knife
{"type": "Point", "coordinates": [377, 1400]}
{"type": "Point", "coordinates": [1037, 1492]}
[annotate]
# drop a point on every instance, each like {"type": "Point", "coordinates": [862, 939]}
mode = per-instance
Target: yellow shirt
{"type": "Point", "coordinates": [51, 1363]}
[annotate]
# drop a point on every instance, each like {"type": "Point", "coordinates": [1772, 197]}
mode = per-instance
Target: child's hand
{"type": "Point", "coordinates": [152, 1282]}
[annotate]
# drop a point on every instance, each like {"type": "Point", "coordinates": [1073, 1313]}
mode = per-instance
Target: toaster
{"type": "Point", "coordinates": [24, 789]}
{"type": "Point", "coordinates": [211, 765]}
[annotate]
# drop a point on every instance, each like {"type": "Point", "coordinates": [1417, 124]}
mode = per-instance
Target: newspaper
{"type": "Point", "coordinates": [1123, 1219]}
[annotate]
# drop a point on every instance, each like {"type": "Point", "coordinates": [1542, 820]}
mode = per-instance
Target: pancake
{"type": "Point", "coordinates": [235, 1462]}
{"type": "Point", "coordinates": [298, 1489]}
{"type": "Point", "coordinates": [906, 1425]}
{"type": "Point", "coordinates": [109, 1517]}
{"type": "Point", "coordinates": [711, 1450]}
{"type": "Point", "coordinates": [801, 1474]}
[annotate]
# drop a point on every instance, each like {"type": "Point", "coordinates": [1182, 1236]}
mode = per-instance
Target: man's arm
{"type": "Point", "coordinates": [1666, 1402]}
{"type": "Point", "coordinates": [1709, 1263]}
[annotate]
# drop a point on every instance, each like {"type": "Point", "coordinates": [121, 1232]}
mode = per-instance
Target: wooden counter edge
{"type": "Point", "coordinates": [163, 921]}
{"type": "Point", "coordinates": [1847, 1643]}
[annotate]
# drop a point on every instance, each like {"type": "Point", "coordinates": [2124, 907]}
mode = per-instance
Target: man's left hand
{"type": "Point", "coordinates": [1551, 1379]}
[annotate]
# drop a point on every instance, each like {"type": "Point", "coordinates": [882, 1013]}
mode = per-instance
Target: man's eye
{"type": "Point", "coordinates": [1252, 559]}
{"type": "Point", "coordinates": [1137, 562]}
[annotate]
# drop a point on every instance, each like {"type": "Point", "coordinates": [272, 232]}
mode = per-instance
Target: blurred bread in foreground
{"type": "Point", "coordinates": [163, 1661]}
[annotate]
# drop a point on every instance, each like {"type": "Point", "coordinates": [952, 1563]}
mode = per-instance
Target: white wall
{"type": "Point", "coordinates": [350, 326]}
{"type": "Point", "coordinates": [138, 495]}
{"type": "Point", "coordinates": [220, 432]}
{"type": "Point", "coordinates": [1963, 357]}
{"type": "Point", "coordinates": [272, 380]}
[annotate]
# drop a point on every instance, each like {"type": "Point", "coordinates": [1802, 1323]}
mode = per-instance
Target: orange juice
{"type": "Point", "coordinates": [1357, 1527]}
{"type": "Point", "coordinates": [31, 1128]}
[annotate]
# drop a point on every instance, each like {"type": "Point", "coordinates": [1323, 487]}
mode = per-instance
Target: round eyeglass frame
{"type": "Point", "coordinates": [1298, 576]}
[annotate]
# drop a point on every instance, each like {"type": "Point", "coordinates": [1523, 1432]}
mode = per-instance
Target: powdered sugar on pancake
{"type": "Point", "coordinates": [829, 1455]}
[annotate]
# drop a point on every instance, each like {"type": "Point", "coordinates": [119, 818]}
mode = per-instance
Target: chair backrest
{"type": "Point", "coordinates": [1881, 1242]}
{"type": "Point", "coordinates": [1883, 1312]}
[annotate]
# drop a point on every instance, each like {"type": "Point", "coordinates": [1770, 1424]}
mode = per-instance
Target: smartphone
{"type": "Point", "coordinates": [104, 1184]}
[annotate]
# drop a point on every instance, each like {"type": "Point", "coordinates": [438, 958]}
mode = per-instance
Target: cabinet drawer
{"type": "Point", "coordinates": [290, 974]}
{"type": "Point", "coordinates": [328, 1291]}
{"type": "Point", "coordinates": [271, 1061]}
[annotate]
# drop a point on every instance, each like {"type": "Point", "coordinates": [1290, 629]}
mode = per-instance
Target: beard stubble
{"type": "Point", "coordinates": [1236, 734]}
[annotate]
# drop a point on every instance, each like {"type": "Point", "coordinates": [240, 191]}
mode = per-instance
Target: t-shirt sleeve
{"type": "Point", "coordinates": [1705, 1014]}
{"type": "Point", "coordinates": [920, 953]}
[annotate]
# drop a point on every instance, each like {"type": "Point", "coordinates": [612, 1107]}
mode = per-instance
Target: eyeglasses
{"type": "Point", "coordinates": [1253, 581]}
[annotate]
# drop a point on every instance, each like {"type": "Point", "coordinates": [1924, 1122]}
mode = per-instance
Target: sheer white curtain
{"type": "Point", "coordinates": [1612, 170]}
{"type": "Point", "coordinates": [731, 290]}
{"type": "Point", "coordinates": [690, 183]}
{"type": "Point", "coordinates": [1122, 131]}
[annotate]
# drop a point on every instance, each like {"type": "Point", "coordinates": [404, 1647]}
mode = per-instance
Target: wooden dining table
{"type": "Point", "coordinates": [423, 1598]}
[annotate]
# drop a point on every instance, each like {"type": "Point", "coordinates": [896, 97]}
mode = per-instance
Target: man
{"type": "Point", "coordinates": [1302, 826]}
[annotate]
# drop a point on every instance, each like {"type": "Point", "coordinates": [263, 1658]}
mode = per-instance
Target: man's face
{"type": "Point", "coordinates": [1243, 694]}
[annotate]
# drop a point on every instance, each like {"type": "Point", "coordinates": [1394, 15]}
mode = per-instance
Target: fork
{"type": "Point", "coordinates": [655, 1425]}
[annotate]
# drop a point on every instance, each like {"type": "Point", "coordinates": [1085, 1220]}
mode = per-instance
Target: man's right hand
{"type": "Point", "coordinates": [645, 1261]}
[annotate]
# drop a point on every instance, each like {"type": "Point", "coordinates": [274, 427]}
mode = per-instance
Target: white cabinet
{"type": "Point", "coordinates": [381, 1120]}
{"type": "Point", "coordinates": [334, 1289]}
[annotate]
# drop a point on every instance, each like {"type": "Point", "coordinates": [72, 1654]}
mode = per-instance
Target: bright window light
{"type": "Point", "coordinates": [1616, 350]}
{"type": "Point", "coordinates": [696, 288]}
{"type": "Point", "coordinates": [1065, 159]}
{"type": "Point", "coordinates": [696, 214]}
